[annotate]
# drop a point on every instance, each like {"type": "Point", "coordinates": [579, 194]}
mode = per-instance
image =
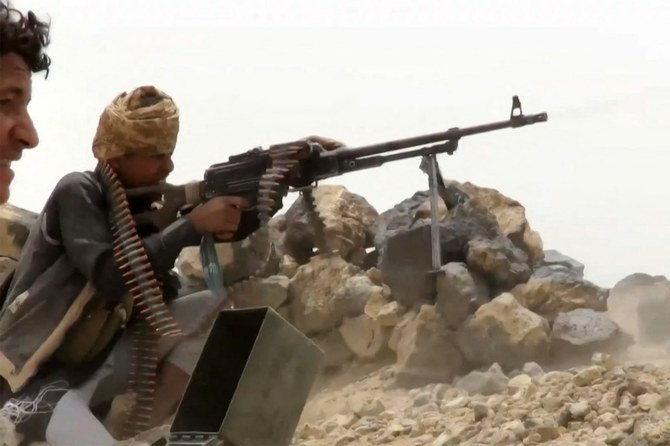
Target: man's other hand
{"type": "Point", "coordinates": [326, 143]}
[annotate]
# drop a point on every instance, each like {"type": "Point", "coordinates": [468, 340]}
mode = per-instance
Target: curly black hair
{"type": "Point", "coordinates": [24, 35]}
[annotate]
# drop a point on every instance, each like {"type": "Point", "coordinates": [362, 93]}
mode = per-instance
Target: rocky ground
{"type": "Point", "coordinates": [622, 400]}
{"type": "Point", "coordinates": [600, 404]}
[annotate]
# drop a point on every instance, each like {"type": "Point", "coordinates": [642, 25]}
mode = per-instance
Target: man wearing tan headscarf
{"type": "Point", "coordinates": [63, 329]}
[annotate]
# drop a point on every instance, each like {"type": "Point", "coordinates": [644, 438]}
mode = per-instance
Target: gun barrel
{"type": "Point", "coordinates": [451, 134]}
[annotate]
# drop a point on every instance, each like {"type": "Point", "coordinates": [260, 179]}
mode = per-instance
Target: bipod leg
{"type": "Point", "coordinates": [430, 167]}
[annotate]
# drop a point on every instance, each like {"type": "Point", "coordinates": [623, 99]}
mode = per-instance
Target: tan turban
{"type": "Point", "coordinates": [144, 122]}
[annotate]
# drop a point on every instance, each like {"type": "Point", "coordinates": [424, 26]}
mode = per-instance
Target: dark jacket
{"type": "Point", "coordinates": [66, 262]}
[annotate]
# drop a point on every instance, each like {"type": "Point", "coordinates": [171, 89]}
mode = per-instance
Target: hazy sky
{"type": "Point", "coordinates": [594, 179]}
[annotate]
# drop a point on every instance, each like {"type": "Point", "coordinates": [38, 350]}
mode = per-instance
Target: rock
{"type": "Point", "coordinates": [511, 218]}
{"type": "Point", "coordinates": [260, 292]}
{"type": "Point", "coordinates": [309, 430]}
{"type": "Point", "coordinates": [532, 369]}
{"type": "Point", "coordinates": [615, 437]}
{"type": "Point", "coordinates": [386, 313]}
{"type": "Point", "coordinates": [355, 293]}
{"type": "Point", "coordinates": [424, 210]}
{"type": "Point", "coordinates": [422, 398]}
{"type": "Point", "coordinates": [519, 383]}
{"type": "Point", "coordinates": [253, 256]}
{"type": "Point", "coordinates": [625, 299]}
{"type": "Point", "coordinates": [607, 420]}
{"type": "Point", "coordinates": [348, 225]}
{"type": "Point", "coordinates": [364, 336]}
{"type": "Point", "coordinates": [312, 292]}
{"type": "Point", "coordinates": [15, 225]}
{"type": "Point", "coordinates": [404, 263]}
{"type": "Point", "coordinates": [288, 266]}
{"type": "Point", "coordinates": [653, 309]}
{"type": "Point", "coordinates": [406, 213]}
{"type": "Point", "coordinates": [370, 407]}
{"type": "Point", "coordinates": [480, 411]}
{"type": "Point", "coordinates": [425, 351]}
{"type": "Point", "coordinates": [648, 401]}
{"type": "Point", "coordinates": [458, 292]}
{"type": "Point", "coordinates": [547, 432]}
{"type": "Point", "coordinates": [651, 431]}
{"type": "Point", "coordinates": [515, 426]}
{"type": "Point", "coordinates": [483, 383]}
{"type": "Point", "coordinates": [456, 403]}
{"type": "Point", "coordinates": [604, 360]}
{"type": "Point", "coordinates": [405, 248]}
{"type": "Point", "coordinates": [552, 403]}
{"type": "Point", "coordinates": [503, 331]}
{"type": "Point", "coordinates": [553, 257]}
{"type": "Point", "coordinates": [375, 276]}
{"type": "Point", "coordinates": [579, 410]}
{"type": "Point", "coordinates": [336, 352]}
{"type": "Point", "coordinates": [553, 290]}
{"type": "Point", "coordinates": [578, 334]}
{"type": "Point", "coordinates": [499, 261]}
{"type": "Point", "coordinates": [633, 281]}
{"type": "Point", "coordinates": [586, 376]}
{"type": "Point", "coordinates": [397, 331]}
{"type": "Point", "coordinates": [348, 438]}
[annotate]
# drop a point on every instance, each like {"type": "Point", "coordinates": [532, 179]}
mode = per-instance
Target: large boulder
{"type": "Point", "coordinates": [260, 292]}
{"type": "Point", "coordinates": [335, 351]}
{"type": "Point", "coordinates": [404, 264]}
{"type": "Point", "coordinates": [511, 218]}
{"type": "Point", "coordinates": [425, 350]}
{"type": "Point", "coordinates": [633, 281]}
{"type": "Point", "coordinates": [505, 332]}
{"type": "Point", "coordinates": [480, 382]}
{"type": "Point", "coordinates": [459, 292]}
{"type": "Point", "coordinates": [253, 256]}
{"type": "Point", "coordinates": [556, 289]}
{"type": "Point", "coordinates": [578, 334]}
{"type": "Point", "coordinates": [553, 257]}
{"type": "Point", "coordinates": [653, 313]}
{"type": "Point", "coordinates": [312, 294]}
{"type": "Point", "coordinates": [499, 261]}
{"type": "Point", "coordinates": [355, 293]}
{"type": "Point", "coordinates": [366, 337]}
{"type": "Point", "coordinates": [15, 225]}
{"type": "Point", "coordinates": [640, 304]}
{"type": "Point", "coordinates": [348, 225]}
{"type": "Point", "coordinates": [405, 214]}
{"type": "Point", "coordinates": [405, 251]}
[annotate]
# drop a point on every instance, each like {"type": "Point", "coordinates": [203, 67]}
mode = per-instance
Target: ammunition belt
{"type": "Point", "coordinates": [152, 316]}
{"type": "Point", "coordinates": [274, 185]}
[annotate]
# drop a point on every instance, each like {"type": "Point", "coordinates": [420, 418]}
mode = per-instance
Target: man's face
{"type": "Point", "coordinates": [16, 128]}
{"type": "Point", "coordinates": [142, 170]}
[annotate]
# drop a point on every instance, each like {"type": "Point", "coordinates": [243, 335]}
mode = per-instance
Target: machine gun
{"type": "Point", "coordinates": [264, 177]}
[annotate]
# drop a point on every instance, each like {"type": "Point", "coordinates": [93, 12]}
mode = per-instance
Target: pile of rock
{"type": "Point", "coordinates": [498, 297]}
{"type": "Point", "coordinates": [471, 339]}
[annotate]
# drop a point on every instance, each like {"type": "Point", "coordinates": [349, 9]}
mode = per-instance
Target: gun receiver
{"type": "Point", "coordinates": [264, 176]}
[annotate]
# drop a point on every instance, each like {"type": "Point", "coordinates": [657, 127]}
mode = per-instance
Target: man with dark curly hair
{"type": "Point", "coordinates": [22, 41]}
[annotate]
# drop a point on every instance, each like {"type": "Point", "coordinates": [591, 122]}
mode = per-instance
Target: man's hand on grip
{"type": "Point", "coordinates": [220, 216]}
